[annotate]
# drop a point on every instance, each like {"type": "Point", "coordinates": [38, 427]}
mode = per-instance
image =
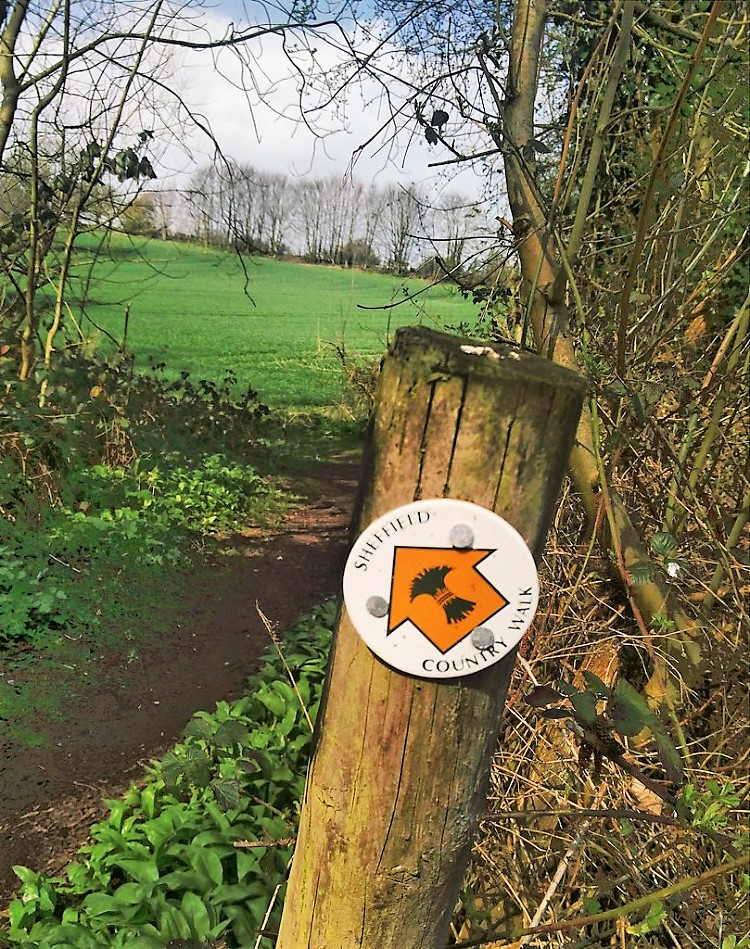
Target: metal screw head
{"type": "Point", "coordinates": [461, 536]}
{"type": "Point", "coordinates": [377, 606]}
{"type": "Point", "coordinates": [482, 637]}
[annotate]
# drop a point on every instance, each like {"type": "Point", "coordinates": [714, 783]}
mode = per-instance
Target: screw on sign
{"type": "Point", "coordinates": [440, 588]}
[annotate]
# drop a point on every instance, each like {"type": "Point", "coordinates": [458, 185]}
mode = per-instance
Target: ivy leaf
{"type": "Point", "coordinates": [248, 765]}
{"type": "Point", "coordinates": [656, 915]}
{"type": "Point", "coordinates": [640, 408]}
{"type": "Point", "coordinates": [198, 728]}
{"type": "Point", "coordinates": [555, 713]}
{"type": "Point", "coordinates": [197, 767]}
{"type": "Point", "coordinates": [584, 704]}
{"type": "Point", "coordinates": [145, 169]}
{"type": "Point", "coordinates": [126, 164]}
{"type": "Point", "coordinates": [595, 685]}
{"type": "Point", "coordinates": [439, 118]}
{"type": "Point", "coordinates": [539, 146]}
{"type": "Point", "coordinates": [431, 135]}
{"type": "Point", "coordinates": [616, 390]}
{"type": "Point", "coordinates": [230, 733]}
{"type": "Point", "coordinates": [172, 770]}
{"type": "Point", "coordinates": [543, 695]}
{"type": "Point", "coordinates": [668, 753]}
{"type": "Point", "coordinates": [228, 794]}
{"type": "Point", "coordinates": [642, 572]}
{"type": "Point", "coordinates": [629, 714]}
{"type": "Point", "coordinates": [627, 710]}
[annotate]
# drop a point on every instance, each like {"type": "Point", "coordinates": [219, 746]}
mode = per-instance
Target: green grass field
{"type": "Point", "coordinates": [188, 307]}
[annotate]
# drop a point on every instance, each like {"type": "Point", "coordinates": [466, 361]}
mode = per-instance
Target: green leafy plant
{"type": "Point", "coordinates": [666, 555]}
{"type": "Point", "coordinates": [164, 865]}
{"type": "Point", "coordinates": [733, 942]}
{"type": "Point", "coordinates": [598, 713]}
{"type": "Point", "coordinates": [214, 412]}
{"type": "Point", "coordinates": [651, 922]}
{"type": "Point", "coordinates": [212, 494]}
{"type": "Point", "coordinates": [114, 476]}
{"type": "Point", "coordinates": [32, 599]}
{"type": "Point", "coordinates": [710, 807]}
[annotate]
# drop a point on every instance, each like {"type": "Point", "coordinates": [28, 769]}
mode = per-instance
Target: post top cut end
{"type": "Point", "coordinates": [463, 355]}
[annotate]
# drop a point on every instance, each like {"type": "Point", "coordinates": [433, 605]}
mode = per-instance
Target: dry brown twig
{"type": "Point", "coordinates": [277, 643]}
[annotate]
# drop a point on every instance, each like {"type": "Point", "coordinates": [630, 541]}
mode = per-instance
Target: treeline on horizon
{"type": "Point", "coordinates": [331, 220]}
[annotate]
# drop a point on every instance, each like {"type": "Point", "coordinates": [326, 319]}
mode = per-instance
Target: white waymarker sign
{"type": "Point", "coordinates": [440, 588]}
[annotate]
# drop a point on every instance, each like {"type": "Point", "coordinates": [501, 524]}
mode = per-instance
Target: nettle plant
{"type": "Point", "coordinates": [598, 714]}
{"type": "Point", "coordinates": [666, 554]}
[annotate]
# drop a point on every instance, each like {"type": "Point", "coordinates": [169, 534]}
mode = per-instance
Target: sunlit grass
{"type": "Point", "coordinates": [274, 323]}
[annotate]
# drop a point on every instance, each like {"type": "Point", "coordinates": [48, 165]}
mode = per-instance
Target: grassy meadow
{"type": "Point", "coordinates": [275, 323]}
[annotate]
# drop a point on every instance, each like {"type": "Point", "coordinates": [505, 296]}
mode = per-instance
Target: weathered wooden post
{"type": "Point", "coordinates": [400, 771]}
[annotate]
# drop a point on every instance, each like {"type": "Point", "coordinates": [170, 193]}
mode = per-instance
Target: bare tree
{"type": "Point", "coordinates": [277, 197]}
{"type": "Point", "coordinates": [261, 206]}
{"type": "Point", "coordinates": [309, 213]}
{"type": "Point", "coordinates": [402, 220]}
{"type": "Point", "coordinates": [371, 219]}
{"type": "Point", "coordinates": [164, 207]}
{"type": "Point", "coordinates": [329, 220]}
{"type": "Point", "coordinates": [451, 235]}
{"type": "Point", "coordinates": [86, 100]}
{"type": "Point", "coordinates": [203, 199]}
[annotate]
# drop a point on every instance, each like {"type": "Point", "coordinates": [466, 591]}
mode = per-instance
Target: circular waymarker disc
{"type": "Point", "coordinates": [440, 588]}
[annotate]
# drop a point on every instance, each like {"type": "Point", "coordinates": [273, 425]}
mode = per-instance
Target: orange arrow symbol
{"type": "Point", "coordinates": [442, 593]}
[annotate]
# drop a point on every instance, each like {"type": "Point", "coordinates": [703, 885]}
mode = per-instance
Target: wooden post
{"type": "Point", "coordinates": [400, 771]}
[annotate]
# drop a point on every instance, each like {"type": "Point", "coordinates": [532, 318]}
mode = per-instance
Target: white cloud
{"type": "Point", "coordinates": [251, 104]}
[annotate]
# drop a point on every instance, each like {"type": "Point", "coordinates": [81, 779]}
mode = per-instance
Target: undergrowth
{"type": "Point", "coordinates": [194, 854]}
{"type": "Point", "coordinates": [106, 520]}
{"type": "Point", "coordinates": [197, 854]}
{"type": "Point", "coordinates": [106, 479]}
{"type": "Point", "coordinates": [585, 852]}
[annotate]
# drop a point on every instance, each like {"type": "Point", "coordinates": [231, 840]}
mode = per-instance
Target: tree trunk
{"type": "Point", "coordinates": [543, 291]}
{"type": "Point", "coordinates": [10, 87]}
{"type": "Point", "coordinates": [401, 766]}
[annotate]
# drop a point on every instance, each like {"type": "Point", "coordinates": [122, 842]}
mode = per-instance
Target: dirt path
{"type": "Point", "coordinates": [50, 796]}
